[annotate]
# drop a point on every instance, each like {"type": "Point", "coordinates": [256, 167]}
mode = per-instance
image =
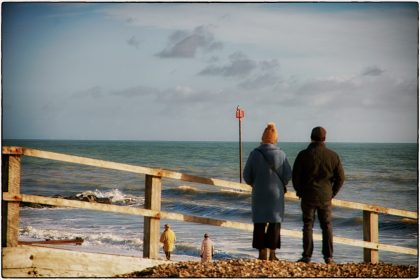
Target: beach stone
{"type": "Point", "coordinates": [249, 268]}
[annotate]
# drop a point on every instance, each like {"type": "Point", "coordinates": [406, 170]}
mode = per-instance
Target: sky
{"type": "Point", "coordinates": [178, 71]}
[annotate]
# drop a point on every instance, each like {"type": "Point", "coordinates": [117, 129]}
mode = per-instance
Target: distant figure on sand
{"type": "Point", "coordinates": [317, 178]}
{"type": "Point", "coordinates": [207, 249]}
{"type": "Point", "coordinates": [168, 239]}
{"type": "Point", "coordinates": [268, 171]}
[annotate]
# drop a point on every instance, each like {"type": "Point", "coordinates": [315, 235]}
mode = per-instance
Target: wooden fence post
{"type": "Point", "coordinates": [10, 210]}
{"type": "Point", "coordinates": [153, 190]}
{"type": "Point", "coordinates": [371, 234]}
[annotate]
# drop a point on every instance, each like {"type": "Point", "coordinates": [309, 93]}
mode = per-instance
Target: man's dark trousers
{"type": "Point", "coordinates": [325, 220]}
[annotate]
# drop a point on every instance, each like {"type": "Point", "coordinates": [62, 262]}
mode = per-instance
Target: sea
{"type": "Point", "coordinates": [380, 174]}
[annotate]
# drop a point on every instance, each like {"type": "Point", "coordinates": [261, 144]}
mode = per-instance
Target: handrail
{"type": "Point", "coordinates": [153, 214]}
{"type": "Point", "coordinates": [190, 178]}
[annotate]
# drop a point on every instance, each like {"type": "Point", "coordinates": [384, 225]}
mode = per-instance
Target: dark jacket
{"type": "Point", "coordinates": [317, 174]}
{"type": "Point", "coordinates": [267, 188]}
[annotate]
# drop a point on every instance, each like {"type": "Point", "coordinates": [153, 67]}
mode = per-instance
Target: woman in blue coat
{"type": "Point", "coordinates": [268, 171]}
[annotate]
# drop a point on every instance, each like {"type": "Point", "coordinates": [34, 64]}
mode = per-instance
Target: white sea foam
{"type": "Point", "coordinates": [116, 196]}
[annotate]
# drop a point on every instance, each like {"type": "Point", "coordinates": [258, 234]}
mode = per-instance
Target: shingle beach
{"type": "Point", "coordinates": [247, 268]}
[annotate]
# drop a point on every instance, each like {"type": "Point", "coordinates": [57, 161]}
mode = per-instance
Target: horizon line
{"type": "Point", "coordinates": [230, 141]}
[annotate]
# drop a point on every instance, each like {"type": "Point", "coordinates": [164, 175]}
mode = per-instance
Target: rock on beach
{"type": "Point", "coordinates": [248, 268]}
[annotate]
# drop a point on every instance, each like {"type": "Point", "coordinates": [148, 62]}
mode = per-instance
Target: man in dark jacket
{"type": "Point", "coordinates": [317, 178]}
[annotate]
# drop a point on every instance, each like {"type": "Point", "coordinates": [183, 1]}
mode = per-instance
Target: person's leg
{"type": "Point", "coordinates": [325, 220]}
{"type": "Point", "coordinates": [308, 216]}
{"type": "Point", "coordinates": [258, 240]}
{"type": "Point", "coordinates": [258, 236]}
{"type": "Point", "coordinates": [273, 240]}
{"type": "Point", "coordinates": [272, 237]}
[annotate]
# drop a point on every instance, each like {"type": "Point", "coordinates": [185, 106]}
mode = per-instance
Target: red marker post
{"type": "Point", "coordinates": [240, 115]}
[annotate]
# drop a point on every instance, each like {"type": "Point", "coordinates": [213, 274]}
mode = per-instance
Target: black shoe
{"type": "Point", "coordinates": [305, 260]}
{"type": "Point", "coordinates": [329, 261]}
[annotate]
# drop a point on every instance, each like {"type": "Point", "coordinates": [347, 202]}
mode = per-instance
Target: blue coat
{"type": "Point", "coordinates": [267, 187]}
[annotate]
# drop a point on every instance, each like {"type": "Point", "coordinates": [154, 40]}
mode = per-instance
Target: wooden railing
{"type": "Point", "coordinates": [11, 170]}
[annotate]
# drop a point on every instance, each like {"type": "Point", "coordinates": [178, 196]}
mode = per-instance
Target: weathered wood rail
{"type": "Point", "coordinates": [11, 195]}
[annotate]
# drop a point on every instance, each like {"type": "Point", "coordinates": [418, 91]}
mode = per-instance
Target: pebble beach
{"type": "Point", "coordinates": [248, 268]}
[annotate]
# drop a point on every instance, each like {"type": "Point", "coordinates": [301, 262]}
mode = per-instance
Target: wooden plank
{"type": "Point", "coordinates": [153, 189]}
{"type": "Point", "coordinates": [4, 188]}
{"type": "Point", "coordinates": [11, 150]}
{"type": "Point", "coordinates": [374, 208]}
{"type": "Point", "coordinates": [32, 261]}
{"type": "Point", "coordinates": [60, 202]}
{"type": "Point", "coordinates": [362, 206]}
{"type": "Point", "coordinates": [10, 232]}
{"type": "Point", "coordinates": [397, 249]}
{"type": "Point", "coordinates": [91, 162]}
{"type": "Point", "coordinates": [12, 260]}
{"type": "Point", "coordinates": [370, 234]}
{"type": "Point", "coordinates": [193, 219]}
{"type": "Point", "coordinates": [207, 181]}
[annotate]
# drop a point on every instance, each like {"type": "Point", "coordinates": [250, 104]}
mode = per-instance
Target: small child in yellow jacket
{"type": "Point", "coordinates": [168, 239]}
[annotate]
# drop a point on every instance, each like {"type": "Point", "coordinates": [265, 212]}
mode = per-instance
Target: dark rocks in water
{"type": "Point", "coordinates": [105, 200]}
{"type": "Point", "coordinates": [35, 205]}
{"type": "Point", "coordinates": [85, 196]}
{"type": "Point", "coordinates": [91, 197]}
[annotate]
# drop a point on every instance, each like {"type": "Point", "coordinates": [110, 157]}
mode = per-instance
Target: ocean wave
{"type": "Point", "coordinates": [200, 208]}
{"type": "Point", "coordinates": [189, 249]}
{"type": "Point", "coordinates": [187, 189]}
{"type": "Point", "coordinates": [399, 224]}
{"type": "Point", "coordinates": [114, 196]}
{"type": "Point", "coordinates": [119, 198]}
{"type": "Point", "coordinates": [394, 176]}
{"type": "Point", "coordinates": [89, 238]}
{"type": "Point", "coordinates": [43, 234]}
{"type": "Point", "coordinates": [114, 241]}
{"type": "Point", "coordinates": [390, 224]}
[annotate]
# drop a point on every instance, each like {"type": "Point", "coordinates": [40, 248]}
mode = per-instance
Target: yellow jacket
{"type": "Point", "coordinates": [168, 239]}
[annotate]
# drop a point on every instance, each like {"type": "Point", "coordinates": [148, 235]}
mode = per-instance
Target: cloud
{"type": "Point", "coordinates": [261, 81]}
{"type": "Point", "coordinates": [266, 76]}
{"type": "Point", "coordinates": [239, 65]}
{"type": "Point", "coordinates": [133, 41]}
{"type": "Point", "coordinates": [184, 44]}
{"type": "Point", "coordinates": [180, 95]}
{"type": "Point", "coordinates": [357, 92]}
{"type": "Point", "coordinates": [186, 95]}
{"type": "Point", "coordinates": [134, 92]}
{"type": "Point", "coordinates": [95, 92]}
{"type": "Point", "coordinates": [372, 71]}
{"type": "Point", "coordinates": [255, 74]}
